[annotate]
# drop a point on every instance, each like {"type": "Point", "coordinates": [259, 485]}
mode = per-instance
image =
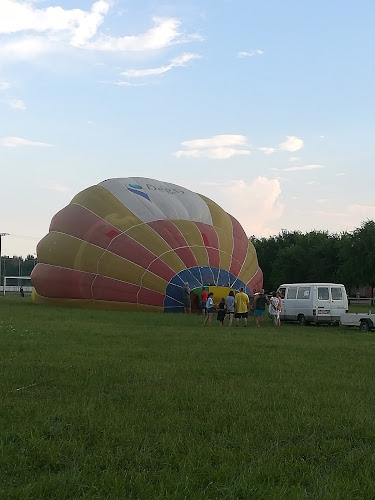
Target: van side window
{"type": "Point", "coordinates": [336, 293]}
{"type": "Point", "coordinates": [292, 293]}
{"type": "Point", "coordinates": [303, 292]}
{"type": "Point", "coordinates": [323, 293]}
{"type": "Point", "coordinates": [282, 292]}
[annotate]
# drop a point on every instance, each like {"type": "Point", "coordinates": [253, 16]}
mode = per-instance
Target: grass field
{"type": "Point", "coordinates": [114, 405]}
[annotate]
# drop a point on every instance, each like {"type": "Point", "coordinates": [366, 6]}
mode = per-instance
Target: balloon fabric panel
{"type": "Point", "coordinates": [240, 246]}
{"type": "Point", "coordinates": [250, 265]}
{"type": "Point", "coordinates": [59, 282]}
{"type": "Point", "coordinates": [172, 235]}
{"type": "Point", "coordinates": [194, 239]}
{"type": "Point", "coordinates": [64, 250]}
{"type": "Point", "coordinates": [211, 242]}
{"type": "Point", "coordinates": [147, 237]}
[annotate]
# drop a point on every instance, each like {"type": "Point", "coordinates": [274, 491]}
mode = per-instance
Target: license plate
{"type": "Point", "coordinates": [323, 311]}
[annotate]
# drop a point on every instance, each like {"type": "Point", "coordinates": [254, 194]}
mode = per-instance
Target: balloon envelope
{"type": "Point", "coordinates": [132, 243]}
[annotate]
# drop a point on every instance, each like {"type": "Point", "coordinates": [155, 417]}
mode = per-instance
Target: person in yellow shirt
{"type": "Point", "coordinates": [242, 307]}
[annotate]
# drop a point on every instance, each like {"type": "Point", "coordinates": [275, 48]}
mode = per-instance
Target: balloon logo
{"type": "Point", "coordinates": [131, 244]}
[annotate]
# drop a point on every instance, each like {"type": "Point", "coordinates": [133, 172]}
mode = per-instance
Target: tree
{"type": "Point", "coordinates": [363, 254]}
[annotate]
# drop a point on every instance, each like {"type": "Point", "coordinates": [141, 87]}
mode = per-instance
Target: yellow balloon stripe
{"type": "Point", "coordinates": [194, 239]}
{"type": "Point", "coordinates": [250, 264]}
{"type": "Point", "coordinates": [223, 227]}
{"type": "Point", "coordinates": [63, 250]}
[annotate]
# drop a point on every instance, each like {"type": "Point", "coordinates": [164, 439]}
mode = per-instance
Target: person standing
{"type": "Point", "coordinates": [242, 307]}
{"type": "Point", "coordinates": [230, 306]}
{"type": "Point", "coordinates": [186, 298]}
{"type": "Point", "coordinates": [259, 305]}
{"type": "Point", "coordinates": [279, 299]}
{"type": "Point", "coordinates": [22, 293]}
{"type": "Point", "coordinates": [274, 309]}
{"type": "Point", "coordinates": [221, 312]}
{"type": "Point", "coordinates": [204, 295]}
{"type": "Point", "coordinates": [210, 309]}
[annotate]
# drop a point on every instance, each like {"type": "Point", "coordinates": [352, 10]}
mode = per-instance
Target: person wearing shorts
{"type": "Point", "coordinates": [210, 309]}
{"type": "Point", "coordinates": [242, 307]}
{"type": "Point", "coordinates": [259, 305]}
{"type": "Point", "coordinates": [204, 295]}
{"type": "Point", "coordinates": [275, 313]}
{"type": "Point", "coordinates": [229, 307]}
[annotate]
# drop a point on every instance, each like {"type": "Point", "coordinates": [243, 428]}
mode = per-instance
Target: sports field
{"type": "Point", "coordinates": [114, 405]}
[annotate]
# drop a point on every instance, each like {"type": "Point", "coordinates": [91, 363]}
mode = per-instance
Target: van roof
{"type": "Point", "coordinates": [311, 284]}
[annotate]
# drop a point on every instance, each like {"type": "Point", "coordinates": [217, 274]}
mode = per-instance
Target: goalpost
{"type": "Point", "coordinates": [20, 282]}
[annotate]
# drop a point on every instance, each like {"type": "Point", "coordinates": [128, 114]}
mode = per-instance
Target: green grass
{"type": "Point", "coordinates": [111, 405]}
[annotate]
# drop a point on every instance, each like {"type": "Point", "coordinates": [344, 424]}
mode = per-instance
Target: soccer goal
{"type": "Point", "coordinates": [12, 284]}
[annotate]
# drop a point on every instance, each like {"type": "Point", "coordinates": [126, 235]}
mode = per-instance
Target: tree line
{"type": "Point", "coordinates": [17, 266]}
{"type": "Point", "coordinates": [317, 256]}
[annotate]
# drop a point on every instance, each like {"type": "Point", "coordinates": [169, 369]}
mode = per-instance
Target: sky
{"type": "Point", "coordinates": [266, 107]}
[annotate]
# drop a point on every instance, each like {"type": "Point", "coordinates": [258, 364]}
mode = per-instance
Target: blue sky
{"type": "Point", "coordinates": [265, 107]}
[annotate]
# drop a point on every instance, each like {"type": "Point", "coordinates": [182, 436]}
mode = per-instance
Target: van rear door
{"type": "Point", "coordinates": [323, 311]}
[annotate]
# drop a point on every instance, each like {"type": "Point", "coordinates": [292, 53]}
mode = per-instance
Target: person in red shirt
{"type": "Point", "coordinates": [204, 300]}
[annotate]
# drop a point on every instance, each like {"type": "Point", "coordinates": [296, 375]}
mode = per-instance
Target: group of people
{"type": "Point", "coordinates": [236, 306]}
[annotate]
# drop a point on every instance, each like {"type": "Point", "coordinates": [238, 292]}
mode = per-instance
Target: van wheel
{"type": "Point", "coordinates": [364, 326]}
{"type": "Point", "coordinates": [302, 320]}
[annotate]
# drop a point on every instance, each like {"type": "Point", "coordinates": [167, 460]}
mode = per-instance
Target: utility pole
{"type": "Point", "coordinates": [1, 235]}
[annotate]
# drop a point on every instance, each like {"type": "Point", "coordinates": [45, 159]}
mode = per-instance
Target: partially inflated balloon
{"type": "Point", "coordinates": [132, 243]}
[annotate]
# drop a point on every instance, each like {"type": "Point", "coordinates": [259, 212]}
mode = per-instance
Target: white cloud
{"type": "Point", "coordinates": [17, 104]}
{"type": "Point", "coordinates": [4, 85]}
{"type": "Point", "coordinates": [212, 153]}
{"type": "Point", "coordinates": [33, 31]}
{"type": "Point", "coordinates": [165, 33]}
{"type": "Point", "coordinates": [304, 167]}
{"type": "Point", "coordinates": [19, 16]}
{"type": "Point", "coordinates": [219, 147]}
{"type": "Point", "coordinates": [291, 144]}
{"type": "Point", "coordinates": [340, 174]}
{"type": "Point", "coordinates": [293, 158]}
{"type": "Point", "coordinates": [121, 83]}
{"type": "Point", "coordinates": [26, 48]}
{"type": "Point", "coordinates": [14, 142]}
{"type": "Point", "coordinates": [182, 60]}
{"type": "Point", "coordinates": [267, 151]}
{"type": "Point", "coordinates": [243, 53]}
{"type": "Point", "coordinates": [255, 205]}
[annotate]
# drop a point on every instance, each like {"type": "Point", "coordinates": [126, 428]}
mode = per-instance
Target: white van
{"type": "Point", "coordinates": [313, 302]}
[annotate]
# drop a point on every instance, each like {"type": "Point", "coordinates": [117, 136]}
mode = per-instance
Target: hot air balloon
{"type": "Point", "coordinates": [131, 244]}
